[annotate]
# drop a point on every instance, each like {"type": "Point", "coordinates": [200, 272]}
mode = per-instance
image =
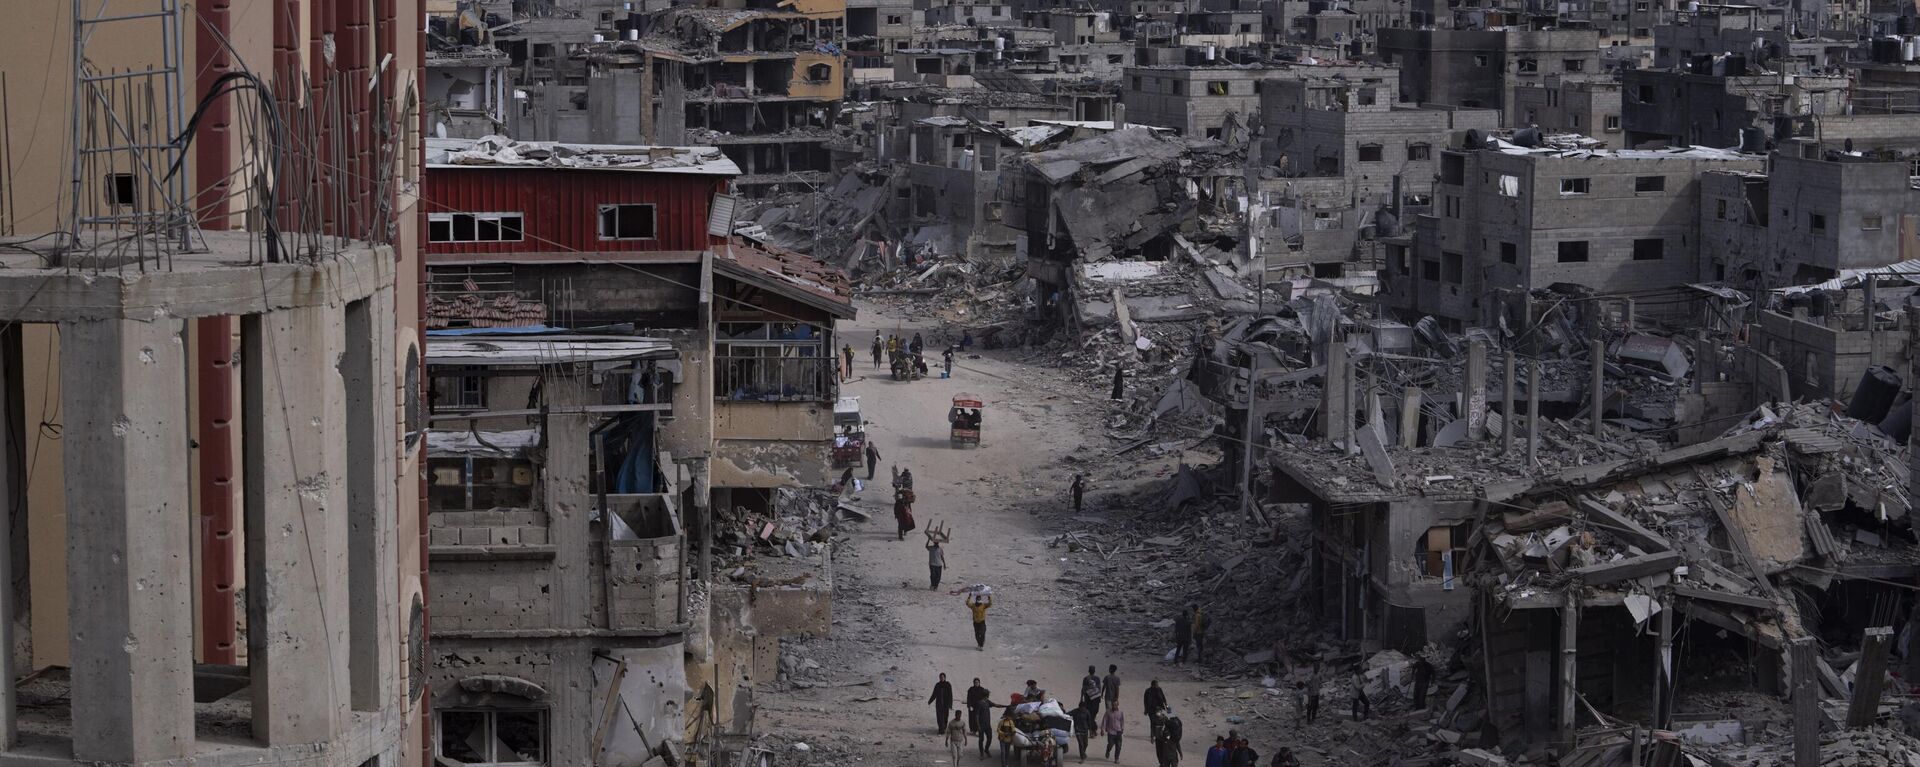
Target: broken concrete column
{"type": "Point", "coordinates": [1476, 390]}
{"type": "Point", "coordinates": [1336, 411]}
{"type": "Point", "coordinates": [1806, 701]}
{"type": "Point", "coordinates": [293, 404]}
{"type": "Point", "coordinates": [1598, 388]}
{"type": "Point", "coordinates": [1663, 670]}
{"type": "Point", "coordinates": [1508, 422]}
{"type": "Point", "coordinates": [129, 542]}
{"type": "Point", "coordinates": [1410, 418]}
{"type": "Point", "coordinates": [1533, 412]}
{"type": "Point", "coordinates": [1569, 686]}
{"type": "Point", "coordinates": [1869, 677]}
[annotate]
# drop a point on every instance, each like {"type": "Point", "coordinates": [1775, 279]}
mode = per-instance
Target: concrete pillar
{"type": "Point", "coordinates": [1569, 668]}
{"type": "Point", "coordinates": [1597, 389]}
{"type": "Point", "coordinates": [1336, 411]}
{"type": "Point", "coordinates": [1806, 702]}
{"type": "Point", "coordinates": [1533, 413]}
{"type": "Point", "coordinates": [1476, 390]}
{"type": "Point", "coordinates": [129, 541]}
{"type": "Point", "coordinates": [1873, 331]}
{"type": "Point", "coordinates": [1410, 418]}
{"type": "Point", "coordinates": [1508, 422]}
{"type": "Point", "coordinates": [1663, 669]}
{"type": "Point", "coordinates": [1870, 677]}
{"type": "Point", "coordinates": [1626, 314]}
{"type": "Point", "coordinates": [293, 410]}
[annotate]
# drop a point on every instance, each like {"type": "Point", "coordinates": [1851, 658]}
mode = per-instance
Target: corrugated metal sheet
{"type": "Point", "coordinates": [561, 207]}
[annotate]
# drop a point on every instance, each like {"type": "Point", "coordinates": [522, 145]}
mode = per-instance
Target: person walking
{"type": "Point", "coordinates": [978, 604]}
{"type": "Point", "coordinates": [1362, 708]}
{"type": "Point", "coordinates": [1182, 634]}
{"type": "Point", "coordinates": [846, 374]}
{"type": "Point", "coordinates": [956, 738]}
{"type": "Point", "coordinates": [1217, 756]}
{"type": "Point", "coordinates": [1313, 698]}
{"type": "Point", "coordinates": [942, 702]}
{"type": "Point", "coordinates": [1091, 693]}
{"type": "Point", "coordinates": [918, 345]}
{"type": "Point", "coordinates": [980, 707]}
{"type": "Point", "coordinates": [1083, 725]}
{"type": "Point", "coordinates": [1119, 384]}
{"type": "Point", "coordinates": [879, 346]}
{"type": "Point", "coordinates": [873, 459]}
{"type": "Point", "coordinates": [1422, 677]}
{"type": "Point", "coordinates": [936, 562]}
{"type": "Point", "coordinates": [1079, 491]}
{"type": "Point", "coordinates": [1155, 700]}
{"type": "Point", "coordinates": [1110, 687]}
{"type": "Point", "coordinates": [947, 359]}
{"type": "Point", "coordinates": [1199, 634]}
{"type": "Point", "coordinates": [1113, 723]}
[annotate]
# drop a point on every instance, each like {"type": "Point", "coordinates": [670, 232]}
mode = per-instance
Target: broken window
{"type": "Point", "coordinates": [1441, 550]}
{"type": "Point", "coordinates": [1452, 268]}
{"type": "Point", "coordinates": [1429, 270]}
{"type": "Point", "coordinates": [1179, 87]}
{"type": "Point", "coordinates": [772, 362]}
{"type": "Point", "coordinates": [1720, 209]}
{"type": "Point", "coordinates": [926, 66]}
{"type": "Point", "coordinates": [896, 19]}
{"type": "Point", "coordinates": [494, 736]}
{"type": "Point", "coordinates": [120, 189]}
{"type": "Point", "coordinates": [459, 392]}
{"type": "Point", "coordinates": [1649, 183]}
{"type": "Point", "coordinates": [1480, 59]}
{"type": "Point", "coordinates": [1329, 271]}
{"type": "Point", "coordinates": [1453, 169]}
{"type": "Point", "coordinates": [1509, 253]}
{"type": "Point", "coordinates": [1574, 65]}
{"type": "Point", "coordinates": [1217, 88]}
{"type": "Point", "coordinates": [1452, 208]}
{"type": "Point", "coordinates": [479, 483]}
{"type": "Point", "coordinates": [475, 227]}
{"type": "Point", "coordinates": [1645, 94]}
{"type": "Point", "coordinates": [1870, 222]}
{"type": "Point", "coordinates": [819, 73]}
{"type": "Point", "coordinates": [1652, 249]}
{"type": "Point", "coordinates": [1613, 122]}
{"type": "Point", "coordinates": [1115, 58]}
{"type": "Point", "coordinates": [1573, 251]}
{"type": "Point", "coordinates": [627, 222]}
{"type": "Point", "coordinates": [1370, 153]}
{"type": "Point", "coordinates": [1816, 223]}
{"type": "Point", "coordinates": [1526, 66]}
{"type": "Point", "coordinates": [1575, 185]}
{"type": "Point", "coordinates": [1509, 185]}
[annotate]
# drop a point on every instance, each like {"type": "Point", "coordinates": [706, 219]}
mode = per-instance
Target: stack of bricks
{"type": "Point", "coordinates": [1870, 747]}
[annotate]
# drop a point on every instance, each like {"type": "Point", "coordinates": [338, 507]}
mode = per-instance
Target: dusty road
{"type": "Point", "coordinates": [893, 635]}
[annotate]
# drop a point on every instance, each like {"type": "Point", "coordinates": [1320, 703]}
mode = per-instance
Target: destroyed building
{"type": "Point", "coordinates": [1518, 218]}
{"type": "Point", "coordinates": [1817, 211]}
{"type": "Point", "coordinates": [1586, 105]}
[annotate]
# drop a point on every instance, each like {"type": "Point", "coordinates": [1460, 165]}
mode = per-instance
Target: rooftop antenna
{"type": "Point", "coordinates": [123, 196]}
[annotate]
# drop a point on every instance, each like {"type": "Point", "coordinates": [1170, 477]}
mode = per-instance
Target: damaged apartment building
{"type": "Point", "coordinates": [761, 80]}
{"type": "Point", "coordinates": [613, 377]}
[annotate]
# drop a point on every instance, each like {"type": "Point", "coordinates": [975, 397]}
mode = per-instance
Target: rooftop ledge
{"type": "Point", "coordinates": [223, 278]}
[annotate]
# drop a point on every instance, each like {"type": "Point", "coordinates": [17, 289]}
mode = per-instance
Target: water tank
{"type": "Point", "coordinates": [1819, 303]}
{"type": "Point", "coordinates": [1909, 48]}
{"type": "Point", "coordinates": [633, 34]}
{"type": "Point", "coordinates": [1899, 420]}
{"type": "Point", "coordinates": [1753, 140]}
{"type": "Point", "coordinates": [1736, 65]}
{"type": "Point", "coordinates": [1527, 137]}
{"type": "Point", "coordinates": [1887, 50]}
{"type": "Point", "coordinates": [1210, 50]}
{"type": "Point", "coordinates": [1473, 140]}
{"type": "Point", "coordinates": [1875, 394]}
{"type": "Point", "coordinates": [599, 38]}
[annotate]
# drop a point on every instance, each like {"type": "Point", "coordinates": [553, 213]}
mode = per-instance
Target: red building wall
{"type": "Point", "coordinates": [561, 207]}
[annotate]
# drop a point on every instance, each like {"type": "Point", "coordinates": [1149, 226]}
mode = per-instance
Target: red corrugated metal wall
{"type": "Point", "coordinates": [561, 207]}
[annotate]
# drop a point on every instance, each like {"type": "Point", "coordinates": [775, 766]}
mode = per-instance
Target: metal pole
{"type": "Point", "coordinates": [1599, 387]}
{"type": "Point", "coordinates": [1248, 442]}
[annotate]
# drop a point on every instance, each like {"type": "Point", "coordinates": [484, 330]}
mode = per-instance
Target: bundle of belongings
{"type": "Point", "coordinates": [1038, 719]}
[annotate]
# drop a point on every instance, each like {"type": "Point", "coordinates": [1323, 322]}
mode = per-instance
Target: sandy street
{"type": "Point", "coordinates": [893, 632]}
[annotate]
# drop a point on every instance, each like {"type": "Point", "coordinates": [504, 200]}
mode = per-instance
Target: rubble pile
{"type": "Point", "coordinates": [747, 545]}
{"type": "Point", "coordinates": [1870, 747]}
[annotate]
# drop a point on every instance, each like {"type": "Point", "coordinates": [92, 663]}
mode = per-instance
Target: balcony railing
{"type": "Point", "coordinates": [774, 379]}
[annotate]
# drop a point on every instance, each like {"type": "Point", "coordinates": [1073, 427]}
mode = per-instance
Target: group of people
{"type": "Point", "coordinates": [1097, 714]}
{"type": "Point", "coordinates": [888, 347]}
{"type": "Point", "coordinates": [1231, 750]}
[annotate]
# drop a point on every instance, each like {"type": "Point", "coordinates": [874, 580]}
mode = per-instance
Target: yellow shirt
{"type": "Point", "coordinates": [980, 610]}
